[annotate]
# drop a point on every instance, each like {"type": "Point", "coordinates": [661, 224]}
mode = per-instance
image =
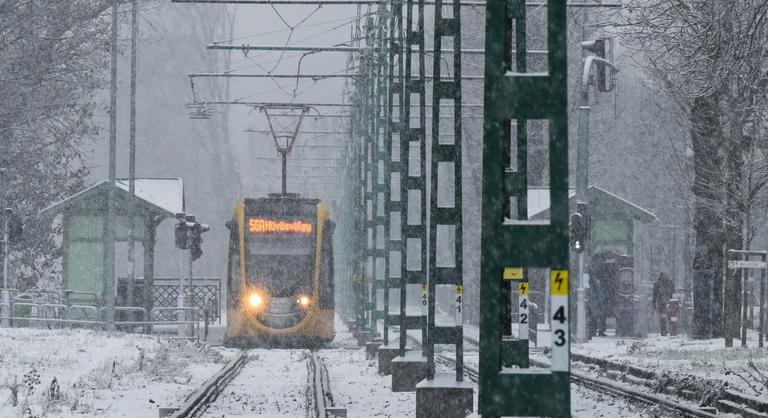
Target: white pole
{"type": "Point", "coordinates": [180, 297]}
{"type": "Point", "coordinates": [5, 308]}
{"type": "Point", "coordinates": [109, 224]}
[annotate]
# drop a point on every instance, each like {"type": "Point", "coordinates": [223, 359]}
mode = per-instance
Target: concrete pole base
{"type": "Point", "coordinates": [386, 354]}
{"type": "Point", "coordinates": [371, 347]}
{"type": "Point", "coordinates": [581, 314]}
{"type": "Point", "coordinates": [363, 336]}
{"type": "Point", "coordinates": [5, 308]}
{"type": "Point", "coordinates": [165, 412]}
{"type": "Point", "coordinates": [182, 329]}
{"type": "Point", "coordinates": [444, 397]}
{"type": "Point", "coordinates": [408, 371]}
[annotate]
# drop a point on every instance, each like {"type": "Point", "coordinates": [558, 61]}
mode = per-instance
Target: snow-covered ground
{"type": "Point", "coordinates": [128, 375]}
{"type": "Point", "coordinates": [705, 359]}
{"type": "Point", "coordinates": [272, 384]}
{"type": "Point", "coordinates": [76, 372]}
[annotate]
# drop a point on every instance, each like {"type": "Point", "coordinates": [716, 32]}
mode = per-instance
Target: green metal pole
{"type": "Point", "coordinates": [413, 178]}
{"type": "Point", "coordinates": [508, 238]}
{"type": "Point", "coordinates": [445, 254]}
{"type": "Point", "coordinates": [377, 89]}
{"type": "Point", "coordinates": [388, 80]}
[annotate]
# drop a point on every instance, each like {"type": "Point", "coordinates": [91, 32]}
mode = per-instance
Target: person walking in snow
{"type": "Point", "coordinates": [662, 293]}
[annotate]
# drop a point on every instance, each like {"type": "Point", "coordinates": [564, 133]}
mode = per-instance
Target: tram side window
{"type": "Point", "coordinates": [233, 268]}
{"type": "Point", "coordinates": [327, 289]}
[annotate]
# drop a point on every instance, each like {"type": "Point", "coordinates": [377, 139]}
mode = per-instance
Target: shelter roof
{"type": "Point", "coordinates": [158, 196]}
{"type": "Point", "coordinates": [538, 203]}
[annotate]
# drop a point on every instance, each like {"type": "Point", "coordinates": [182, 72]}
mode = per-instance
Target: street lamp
{"type": "Point", "coordinates": [582, 174]}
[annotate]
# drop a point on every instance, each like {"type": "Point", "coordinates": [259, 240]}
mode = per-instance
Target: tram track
{"type": "Point", "coordinates": [320, 402]}
{"type": "Point", "coordinates": [729, 400]}
{"type": "Point", "coordinates": [603, 386]}
{"type": "Point", "coordinates": [235, 388]}
{"type": "Point", "coordinates": [197, 403]}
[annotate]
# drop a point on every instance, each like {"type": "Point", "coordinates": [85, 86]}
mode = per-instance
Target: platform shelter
{"type": "Point", "coordinates": [83, 227]}
{"type": "Point", "coordinates": [610, 258]}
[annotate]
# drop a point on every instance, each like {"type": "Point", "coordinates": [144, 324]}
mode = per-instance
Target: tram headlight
{"type": "Point", "coordinates": [256, 300]}
{"type": "Point", "coordinates": [303, 301]}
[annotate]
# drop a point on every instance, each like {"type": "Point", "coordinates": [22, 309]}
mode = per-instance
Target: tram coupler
{"type": "Point", "coordinates": [408, 371]}
{"type": "Point", "coordinates": [444, 397]}
{"type": "Point", "coordinates": [386, 354]}
{"type": "Point", "coordinates": [514, 352]}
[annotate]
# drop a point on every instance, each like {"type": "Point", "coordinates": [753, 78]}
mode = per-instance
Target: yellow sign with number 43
{"type": "Point", "coordinates": [558, 284]}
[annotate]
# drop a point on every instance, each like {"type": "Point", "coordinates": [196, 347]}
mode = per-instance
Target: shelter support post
{"type": "Point", "coordinates": [150, 232]}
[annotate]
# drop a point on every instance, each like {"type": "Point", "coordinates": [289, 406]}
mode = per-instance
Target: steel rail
{"type": "Point", "coordinates": [595, 383]}
{"type": "Point", "coordinates": [337, 48]}
{"type": "Point", "coordinates": [315, 383]}
{"type": "Point", "coordinates": [207, 393]}
{"type": "Point", "coordinates": [730, 401]}
{"type": "Point", "coordinates": [603, 386]}
{"type": "Point", "coordinates": [318, 386]}
{"type": "Point", "coordinates": [265, 131]}
{"type": "Point", "coordinates": [316, 77]}
{"type": "Point", "coordinates": [276, 104]}
{"type": "Point", "coordinates": [376, 2]}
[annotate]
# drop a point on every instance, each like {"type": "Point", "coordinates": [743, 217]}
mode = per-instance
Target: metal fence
{"type": "Point", "coordinates": [39, 310]}
{"type": "Point", "coordinates": [62, 308]}
{"type": "Point", "coordinates": [205, 295]}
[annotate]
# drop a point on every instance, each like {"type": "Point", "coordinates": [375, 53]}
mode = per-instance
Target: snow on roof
{"type": "Point", "coordinates": [538, 202]}
{"type": "Point", "coordinates": [167, 194]}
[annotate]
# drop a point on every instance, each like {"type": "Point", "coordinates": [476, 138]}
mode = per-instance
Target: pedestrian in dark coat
{"type": "Point", "coordinates": [662, 293]}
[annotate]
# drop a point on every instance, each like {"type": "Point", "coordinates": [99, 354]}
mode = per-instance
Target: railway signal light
{"type": "Point", "coordinates": [180, 232]}
{"type": "Point", "coordinates": [196, 241]}
{"type": "Point", "coordinates": [601, 48]}
{"type": "Point", "coordinates": [577, 231]}
{"type": "Point", "coordinates": [14, 227]}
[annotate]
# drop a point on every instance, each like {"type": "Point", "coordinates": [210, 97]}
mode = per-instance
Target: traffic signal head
{"type": "Point", "coordinates": [14, 226]}
{"type": "Point", "coordinates": [15, 229]}
{"type": "Point", "coordinates": [602, 48]}
{"type": "Point", "coordinates": [180, 234]}
{"type": "Point", "coordinates": [196, 249]}
{"type": "Point", "coordinates": [196, 239]}
{"type": "Point", "coordinates": [577, 232]}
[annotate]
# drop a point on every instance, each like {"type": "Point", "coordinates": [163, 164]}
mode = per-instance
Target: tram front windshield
{"type": "Point", "coordinates": [281, 262]}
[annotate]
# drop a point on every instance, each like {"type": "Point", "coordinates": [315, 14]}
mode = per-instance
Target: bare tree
{"type": "Point", "coordinates": [710, 58]}
{"type": "Point", "coordinates": [53, 58]}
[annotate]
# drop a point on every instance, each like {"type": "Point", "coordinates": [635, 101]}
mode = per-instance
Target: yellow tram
{"type": "Point", "coordinates": [280, 289]}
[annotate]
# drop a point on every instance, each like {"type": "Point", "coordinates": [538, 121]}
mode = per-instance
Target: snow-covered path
{"type": "Point", "coordinates": [272, 384]}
